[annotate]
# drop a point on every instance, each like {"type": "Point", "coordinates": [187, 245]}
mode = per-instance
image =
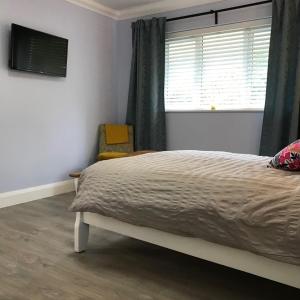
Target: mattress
{"type": "Point", "coordinates": [231, 199]}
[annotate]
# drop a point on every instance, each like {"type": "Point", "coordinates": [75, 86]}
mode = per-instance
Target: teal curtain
{"type": "Point", "coordinates": [281, 117]}
{"type": "Point", "coordinates": [146, 107]}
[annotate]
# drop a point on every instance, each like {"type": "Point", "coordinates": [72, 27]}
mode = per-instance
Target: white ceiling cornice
{"type": "Point", "coordinates": [140, 10]}
{"type": "Point", "coordinates": [160, 7]}
{"type": "Point", "coordinates": [96, 7]}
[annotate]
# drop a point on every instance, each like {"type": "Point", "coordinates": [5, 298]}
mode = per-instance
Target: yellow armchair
{"type": "Point", "coordinates": [115, 141]}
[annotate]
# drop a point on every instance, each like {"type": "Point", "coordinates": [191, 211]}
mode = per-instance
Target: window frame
{"type": "Point", "coordinates": [211, 29]}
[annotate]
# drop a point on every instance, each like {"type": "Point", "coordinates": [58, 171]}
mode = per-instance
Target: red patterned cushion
{"type": "Point", "coordinates": [288, 158]}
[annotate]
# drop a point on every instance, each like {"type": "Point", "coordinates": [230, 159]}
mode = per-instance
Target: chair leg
{"type": "Point", "coordinates": [81, 233]}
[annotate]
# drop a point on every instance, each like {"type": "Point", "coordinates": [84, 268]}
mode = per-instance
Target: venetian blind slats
{"type": "Point", "coordinates": [223, 70]}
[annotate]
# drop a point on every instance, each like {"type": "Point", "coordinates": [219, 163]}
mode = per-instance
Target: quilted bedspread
{"type": "Point", "coordinates": [225, 198]}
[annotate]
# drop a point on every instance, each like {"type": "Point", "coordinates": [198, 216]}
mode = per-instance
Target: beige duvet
{"type": "Point", "coordinates": [230, 199]}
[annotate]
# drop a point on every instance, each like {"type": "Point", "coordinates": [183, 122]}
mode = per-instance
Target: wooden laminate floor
{"type": "Point", "coordinates": [37, 262]}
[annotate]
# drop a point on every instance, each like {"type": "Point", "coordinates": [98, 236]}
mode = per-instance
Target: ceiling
{"type": "Point", "coordinates": [125, 4]}
{"type": "Point", "coordinates": [126, 9]}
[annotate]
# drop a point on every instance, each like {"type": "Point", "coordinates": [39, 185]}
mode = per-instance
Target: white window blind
{"type": "Point", "coordinates": [222, 70]}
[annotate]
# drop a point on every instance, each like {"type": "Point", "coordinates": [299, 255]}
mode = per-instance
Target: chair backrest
{"type": "Point", "coordinates": [124, 147]}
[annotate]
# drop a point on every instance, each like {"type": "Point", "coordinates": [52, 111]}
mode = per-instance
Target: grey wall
{"type": "Point", "coordinates": [236, 132]}
{"type": "Point", "coordinates": [48, 126]}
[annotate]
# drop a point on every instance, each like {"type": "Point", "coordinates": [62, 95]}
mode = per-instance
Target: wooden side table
{"type": "Point", "coordinates": [75, 176]}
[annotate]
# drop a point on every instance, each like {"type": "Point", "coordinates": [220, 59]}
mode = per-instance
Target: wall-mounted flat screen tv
{"type": "Point", "coordinates": [38, 52]}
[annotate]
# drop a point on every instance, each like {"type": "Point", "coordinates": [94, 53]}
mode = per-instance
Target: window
{"type": "Point", "coordinates": [218, 68]}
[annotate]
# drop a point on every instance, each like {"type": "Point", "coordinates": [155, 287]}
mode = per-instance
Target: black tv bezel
{"type": "Point", "coordinates": [12, 65]}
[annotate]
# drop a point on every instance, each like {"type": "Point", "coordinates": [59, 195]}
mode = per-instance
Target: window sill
{"type": "Point", "coordinates": [217, 111]}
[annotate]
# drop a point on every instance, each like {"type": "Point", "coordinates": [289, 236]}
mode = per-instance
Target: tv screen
{"type": "Point", "coordinates": [38, 52]}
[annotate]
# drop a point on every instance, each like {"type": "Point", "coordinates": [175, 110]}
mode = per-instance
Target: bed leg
{"type": "Point", "coordinates": [81, 233]}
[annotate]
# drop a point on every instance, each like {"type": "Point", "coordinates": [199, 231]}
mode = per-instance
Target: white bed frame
{"type": "Point", "coordinates": [238, 259]}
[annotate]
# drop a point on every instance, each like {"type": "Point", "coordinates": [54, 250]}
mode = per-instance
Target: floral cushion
{"type": "Point", "coordinates": [288, 158]}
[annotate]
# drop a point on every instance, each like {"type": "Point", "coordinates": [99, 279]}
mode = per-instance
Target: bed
{"type": "Point", "coordinates": [231, 209]}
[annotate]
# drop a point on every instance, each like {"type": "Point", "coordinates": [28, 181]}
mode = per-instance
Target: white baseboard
{"type": "Point", "coordinates": [36, 193]}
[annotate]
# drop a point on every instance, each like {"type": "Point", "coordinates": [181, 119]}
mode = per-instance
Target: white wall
{"type": "Point", "coordinates": [236, 132]}
{"type": "Point", "coordinates": [48, 125]}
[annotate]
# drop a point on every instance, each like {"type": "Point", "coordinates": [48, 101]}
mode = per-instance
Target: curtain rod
{"type": "Point", "coordinates": [217, 11]}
